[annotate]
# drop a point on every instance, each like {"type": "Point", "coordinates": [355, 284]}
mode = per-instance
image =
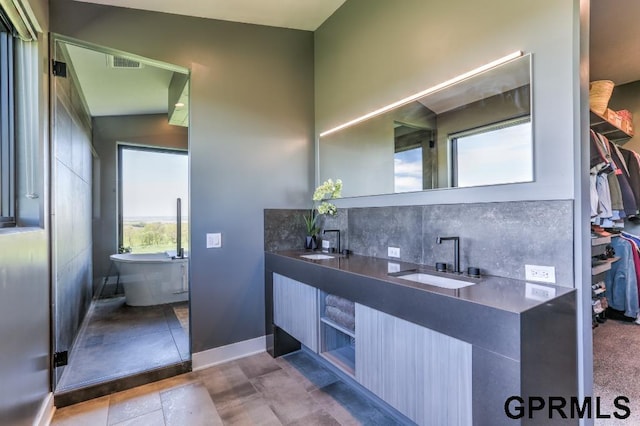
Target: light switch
{"type": "Point", "coordinates": [214, 240]}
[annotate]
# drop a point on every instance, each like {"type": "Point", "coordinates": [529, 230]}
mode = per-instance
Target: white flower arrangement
{"type": "Point", "coordinates": [327, 191]}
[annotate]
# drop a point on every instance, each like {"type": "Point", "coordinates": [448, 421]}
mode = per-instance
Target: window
{"type": "Point", "coordinates": [7, 123]}
{"type": "Point", "coordinates": [19, 118]}
{"type": "Point", "coordinates": [495, 154]}
{"type": "Point", "coordinates": [151, 180]}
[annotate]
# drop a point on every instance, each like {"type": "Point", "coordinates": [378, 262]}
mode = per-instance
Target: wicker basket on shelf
{"type": "Point", "coordinates": [599, 94]}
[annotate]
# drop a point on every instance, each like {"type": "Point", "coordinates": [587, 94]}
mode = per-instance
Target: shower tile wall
{"type": "Point", "coordinates": [499, 238]}
{"type": "Point", "coordinates": [71, 213]}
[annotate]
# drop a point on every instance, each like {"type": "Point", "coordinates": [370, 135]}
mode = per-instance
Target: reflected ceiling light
{"type": "Point", "coordinates": [179, 105]}
{"type": "Point", "coordinates": [428, 91]}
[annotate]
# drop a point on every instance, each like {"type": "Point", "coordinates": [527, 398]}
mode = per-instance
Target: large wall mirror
{"type": "Point", "coordinates": [471, 132]}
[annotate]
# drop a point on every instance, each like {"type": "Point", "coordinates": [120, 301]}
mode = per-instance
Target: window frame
{"type": "Point", "coordinates": [7, 125]}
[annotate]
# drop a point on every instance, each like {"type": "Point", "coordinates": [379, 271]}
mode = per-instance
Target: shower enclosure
{"type": "Point", "coordinates": [99, 342]}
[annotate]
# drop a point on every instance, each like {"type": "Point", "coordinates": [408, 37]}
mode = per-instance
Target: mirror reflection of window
{"type": "Point", "coordinates": [412, 157]}
{"type": "Point", "coordinates": [490, 155]}
{"type": "Point", "coordinates": [408, 170]}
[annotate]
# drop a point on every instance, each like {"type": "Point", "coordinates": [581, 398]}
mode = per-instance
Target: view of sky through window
{"type": "Point", "coordinates": [151, 183]}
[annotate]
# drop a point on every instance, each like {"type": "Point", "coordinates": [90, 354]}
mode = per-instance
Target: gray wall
{"type": "Point", "coordinates": [24, 324]}
{"type": "Point", "coordinates": [250, 143]}
{"type": "Point", "coordinates": [149, 130]}
{"type": "Point", "coordinates": [371, 53]}
{"type": "Point", "coordinates": [71, 177]}
{"type": "Point", "coordinates": [24, 278]}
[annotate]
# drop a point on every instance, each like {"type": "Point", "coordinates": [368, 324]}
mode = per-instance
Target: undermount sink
{"type": "Point", "coordinates": [317, 256]}
{"type": "Point", "coordinates": [435, 280]}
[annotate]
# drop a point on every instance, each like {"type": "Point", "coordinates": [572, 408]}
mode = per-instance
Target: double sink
{"type": "Point", "coordinates": [411, 275]}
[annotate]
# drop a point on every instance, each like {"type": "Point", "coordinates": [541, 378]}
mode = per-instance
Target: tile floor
{"type": "Point", "coordinates": [119, 340]}
{"type": "Point", "coordinates": [257, 390]}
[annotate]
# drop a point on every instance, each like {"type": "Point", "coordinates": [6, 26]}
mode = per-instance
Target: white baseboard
{"type": "Point", "coordinates": [45, 414]}
{"type": "Point", "coordinates": [215, 356]}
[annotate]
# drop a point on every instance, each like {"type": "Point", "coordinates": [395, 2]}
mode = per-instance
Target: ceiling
{"type": "Point", "coordinates": [614, 46]}
{"type": "Point", "coordinates": [615, 40]}
{"type": "Point", "coordinates": [115, 91]}
{"type": "Point", "coordinates": [297, 14]}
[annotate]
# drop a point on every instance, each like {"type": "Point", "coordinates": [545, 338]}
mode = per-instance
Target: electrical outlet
{"type": "Point", "coordinates": [393, 251]}
{"type": "Point", "coordinates": [544, 274]}
{"type": "Point", "coordinates": [214, 240]}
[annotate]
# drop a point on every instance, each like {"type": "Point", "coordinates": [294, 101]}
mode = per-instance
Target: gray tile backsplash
{"type": "Point", "coordinates": [373, 229]}
{"type": "Point", "coordinates": [499, 238]}
{"type": "Point", "coordinates": [339, 221]}
{"type": "Point", "coordinates": [284, 229]}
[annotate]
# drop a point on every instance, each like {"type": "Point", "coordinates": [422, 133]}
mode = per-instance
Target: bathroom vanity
{"type": "Point", "coordinates": [436, 353]}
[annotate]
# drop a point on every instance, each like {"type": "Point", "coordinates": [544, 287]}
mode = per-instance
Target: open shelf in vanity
{"type": "Point", "coordinates": [337, 332]}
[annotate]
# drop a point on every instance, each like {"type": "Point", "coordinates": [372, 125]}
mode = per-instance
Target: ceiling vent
{"type": "Point", "coordinates": [120, 62]}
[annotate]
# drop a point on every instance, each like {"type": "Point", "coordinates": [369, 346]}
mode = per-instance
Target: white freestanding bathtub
{"type": "Point", "coordinates": [152, 278]}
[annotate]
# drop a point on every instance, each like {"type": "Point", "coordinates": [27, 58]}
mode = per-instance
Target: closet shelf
{"type": "Point", "coordinates": [596, 241]}
{"type": "Point", "coordinates": [601, 125]}
{"type": "Point", "coordinates": [337, 326]}
{"type": "Point", "coordinates": [603, 266]}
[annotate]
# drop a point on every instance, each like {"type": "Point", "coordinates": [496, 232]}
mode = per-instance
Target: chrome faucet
{"type": "Point", "coordinates": [456, 250]}
{"type": "Point", "coordinates": [338, 232]}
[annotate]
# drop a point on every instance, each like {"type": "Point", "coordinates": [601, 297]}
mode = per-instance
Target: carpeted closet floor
{"type": "Point", "coordinates": [616, 369]}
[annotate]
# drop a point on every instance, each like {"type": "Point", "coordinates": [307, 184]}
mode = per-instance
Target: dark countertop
{"type": "Point", "coordinates": [501, 293]}
{"type": "Point", "coordinates": [487, 314]}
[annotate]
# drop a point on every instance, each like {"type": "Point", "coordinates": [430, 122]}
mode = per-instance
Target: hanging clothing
{"type": "Point", "coordinates": [621, 283]}
{"type": "Point", "coordinates": [619, 197]}
{"type": "Point", "coordinates": [628, 199]}
{"type": "Point", "coordinates": [633, 168]}
{"type": "Point", "coordinates": [636, 262]}
{"type": "Point", "coordinates": [603, 205]}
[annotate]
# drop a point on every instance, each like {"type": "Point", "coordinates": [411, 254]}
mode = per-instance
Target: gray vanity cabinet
{"type": "Point", "coordinates": [295, 310]}
{"type": "Point", "coordinates": [424, 374]}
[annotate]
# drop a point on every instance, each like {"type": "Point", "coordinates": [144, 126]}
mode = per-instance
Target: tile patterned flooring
{"type": "Point", "coordinates": [258, 390]}
{"type": "Point", "coordinates": [119, 340]}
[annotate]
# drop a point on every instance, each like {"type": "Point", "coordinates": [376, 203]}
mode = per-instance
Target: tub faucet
{"type": "Point", "coordinates": [336, 231]}
{"type": "Point", "coordinates": [456, 250]}
{"type": "Point", "coordinates": [179, 249]}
